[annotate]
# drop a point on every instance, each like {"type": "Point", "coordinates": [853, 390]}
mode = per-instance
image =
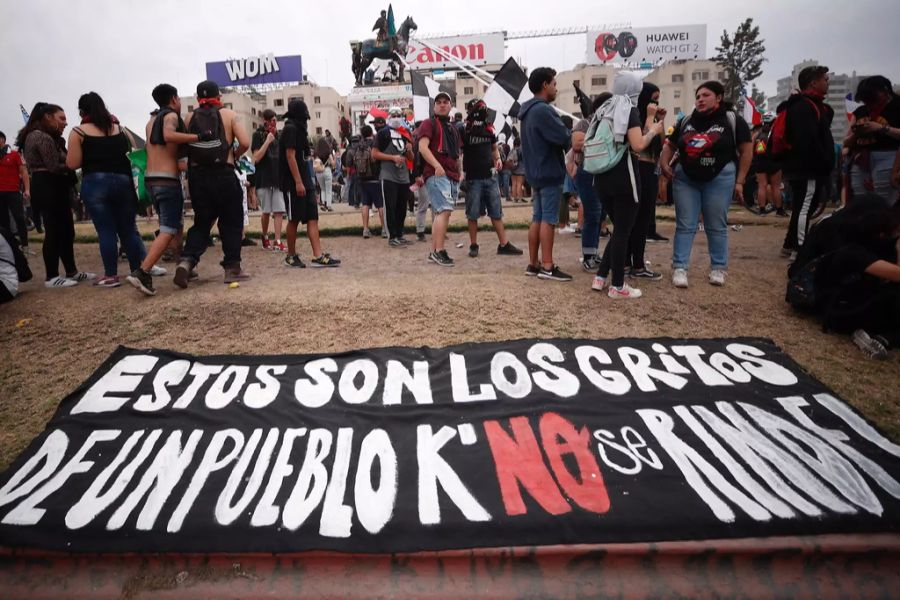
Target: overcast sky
{"type": "Point", "coordinates": [55, 50]}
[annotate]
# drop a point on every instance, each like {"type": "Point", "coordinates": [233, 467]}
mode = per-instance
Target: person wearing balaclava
{"type": "Point", "coordinates": [649, 113]}
{"type": "Point", "coordinates": [620, 186]}
{"type": "Point", "coordinates": [298, 188]}
{"type": "Point", "coordinates": [708, 176]}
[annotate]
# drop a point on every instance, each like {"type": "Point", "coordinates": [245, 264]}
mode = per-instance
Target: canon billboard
{"type": "Point", "coordinates": [479, 50]}
{"type": "Point", "coordinates": [255, 70]}
{"type": "Point", "coordinates": [646, 44]}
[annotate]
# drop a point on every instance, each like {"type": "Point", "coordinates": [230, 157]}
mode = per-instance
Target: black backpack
{"type": "Point", "coordinates": [23, 271]}
{"type": "Point", "coordinates": [207, 123]}
{"type": "Point", "coordinates": [367, 168]}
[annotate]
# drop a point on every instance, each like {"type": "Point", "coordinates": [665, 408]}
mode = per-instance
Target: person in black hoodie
{"type": "Point", "coordinates": [809, 159]}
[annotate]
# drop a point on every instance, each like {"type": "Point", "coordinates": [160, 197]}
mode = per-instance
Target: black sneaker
{"type": "Point", "coordinates": [645, 274]}
{"type": "Point", "coordinates": [532, 270]}
{"type": "Point", "coordinates": [403, 241]}
{"type": "Point", "coordinates": [590, 264]}
{"type": "Point", "coordinates": [473, 250]}
{"type": "Point", "coordinates": [441, 258]}
{"type": "Point", "coordinates": [142, 281]}
{"type": "Point", "coordinates": [420, 237]}
{"type": "Point", "coordinates": [396, 243]}
{"type": "Point", "coordinates": [293, 260]}
{"type": "Point", "coordinates": [656, 239]}
{"type": "Point", "coordinates": [509, 250]}
{"type": "Point", "coordinates": [871, 346]}
{"type": "Point", "coordinates": [325, 260]}
{"type": "Point", "coordinates": [780, 212]}
{"type": "Point", "coordinates": [182, 274]}
{"type": "Point", "coordinates": [554, 274]}
{"type": "Point", "coordinates": [247, 242]}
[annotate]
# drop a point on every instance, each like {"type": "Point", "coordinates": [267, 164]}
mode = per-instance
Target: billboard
{"type": "Point", "coordinates": [646, 44]}
{"type": "Point", "coordinates": [482, 49]}
{"type": "Point", "coordinates": [255, 70]}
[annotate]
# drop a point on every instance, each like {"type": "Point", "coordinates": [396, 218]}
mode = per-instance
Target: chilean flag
{"type": "Point", "coordinates": [850, 105]}
{"type": "Point", "coordinates": [751, 114]}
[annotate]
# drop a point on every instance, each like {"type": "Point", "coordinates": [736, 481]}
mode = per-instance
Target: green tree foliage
{"type": "Point", "coordinates": [742, 56]}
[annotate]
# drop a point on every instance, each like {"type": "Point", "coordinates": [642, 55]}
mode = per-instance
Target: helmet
{"type": "Point", "coordinates": [395, 111]}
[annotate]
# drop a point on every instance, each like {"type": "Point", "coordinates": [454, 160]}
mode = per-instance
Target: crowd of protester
{"type": "Point", "coordinates": [616, 163]}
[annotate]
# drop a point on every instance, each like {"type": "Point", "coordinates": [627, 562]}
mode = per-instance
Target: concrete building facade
{"type": "Point", "coordinates": [326, 105]}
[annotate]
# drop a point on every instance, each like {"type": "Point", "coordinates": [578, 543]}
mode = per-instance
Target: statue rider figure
{"type": "Point", "coordinates": [381, 26]}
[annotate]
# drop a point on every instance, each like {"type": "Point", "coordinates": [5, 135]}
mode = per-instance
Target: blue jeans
{"type": "Point", "coordinates": [483, 197]}
{"type": "Point", "coordinates": [505, 183]}
{"type": "Point", "coordinates": [712, 199]}
{"type": "Point", "coordinates": [112, 202]}
{"type": "Point", "coordinates": [590, 232]}
{"type": "Point", "coordinates": [878, 172]}
{"type": "Point", "coordinates": [169, 203]}
{"type": "Point", "coordinates": [546, 204]}
{"type": "Point", "coordinates": [442, 193]}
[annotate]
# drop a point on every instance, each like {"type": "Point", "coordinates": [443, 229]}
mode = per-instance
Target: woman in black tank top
{"type": "Point", "coordinates": [100, 147]}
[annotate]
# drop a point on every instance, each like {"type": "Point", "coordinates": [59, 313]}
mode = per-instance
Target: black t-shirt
{"type": "Point", "coordinates": [618, 181]}
{"type": "Point", "coordinates": [880, 142]}
{"type": "Point", "coordinates": [706, 144]}
{"type": "Point", "coordinates": [294, 137]}
{"type": "Point", "coordinates": [267, 167]}
{"type": "Point", "coordinates": [478, 153]}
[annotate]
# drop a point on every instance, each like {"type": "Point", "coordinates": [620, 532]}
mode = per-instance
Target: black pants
{"type": "Point", "coordinates": [637, 243]}
{"type": "Point", "coordinates": [622, 210]}
{"type": "Point", "coordinates": [52, 193]}
{"type": "Point", "coordinates": [806, 194]}
{"type": "Point", "coordinates": [215, 195]}
{"type": "Point", "coordinates": [396, 199]}
{"type": "Point", "coordinates": [12, 203]}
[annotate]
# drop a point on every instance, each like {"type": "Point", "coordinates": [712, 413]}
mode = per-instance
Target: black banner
{"type": "Point", "coordinates": [528, 442]}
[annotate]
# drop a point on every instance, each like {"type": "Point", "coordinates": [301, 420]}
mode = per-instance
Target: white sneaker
{"type": "Point", "coordinates": [156, 271]}
{"type": "Point", "coordinates": [717, 277]}
{"type": "Point", "coordinates": [626, 291]}
{"type": "Point", "coordinates": [598, 284]}
{"type": "Point", "coordinates": [679, 278]}
{"type": "Point", "coordinates": [83, 276]}
{"type": "Point", "coordinates": [60, 282]}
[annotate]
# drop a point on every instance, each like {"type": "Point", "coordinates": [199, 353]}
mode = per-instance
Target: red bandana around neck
{"type": "Point", "coordinates": [210, 102]}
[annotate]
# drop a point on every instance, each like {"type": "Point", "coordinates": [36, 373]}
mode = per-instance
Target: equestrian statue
{"type": "Point", "coordinates": [390, 44]}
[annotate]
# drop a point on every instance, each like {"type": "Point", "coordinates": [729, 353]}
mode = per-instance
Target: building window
{"type": "Point", "coordinates": [279, 102]}
{"type": "Point", "coordinates": [292, 98]}
{"type": "Point", "coordinates": [317, 100]}
{"type": "Point", "coordinates": [468, 91]}
{"type": "Point", "coordinates": [254, 124]}
{"type": "Point", "coordinates": [677, 94]}
{"type": "Point", "coordinates": [700, 75]}
{"type": "Point", "coordinates": [229, 105]}
{"type": "Point", "coordinates": [318, 115]}
{"type": "Point", "coordinates": [253, 111]}
{"type": "Point", "coordinates": [190, 108]}
{"type": "Point", "coordinates": [318, 131]}
{"type": "Point", "coordinates": [720, 75]}
{"type": "Point", "coordinates": [678, 78]}
{"type": "Point", "coordinates": [598, 81]}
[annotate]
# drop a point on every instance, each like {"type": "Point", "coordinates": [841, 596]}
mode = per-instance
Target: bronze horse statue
{"type": "Point", "coordinates": [368, 50]}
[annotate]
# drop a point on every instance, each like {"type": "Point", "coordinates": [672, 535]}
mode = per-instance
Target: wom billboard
{"type": "Point", "coordinates": [646, 44]}
{"type": "Point", "coordinates": [255, 70]}
{"type": "Point", "coordinates": [479, 50]}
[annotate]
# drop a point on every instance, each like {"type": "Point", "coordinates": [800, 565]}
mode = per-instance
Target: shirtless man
{"type": "Point", "coordinates": [214, 187]}
{"type": "Point", "coordinates": [165, 133]}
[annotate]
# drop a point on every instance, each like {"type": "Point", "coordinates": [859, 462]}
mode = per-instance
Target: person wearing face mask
{"type": "Point", "coordinates": [44, 151]}
{"type": "Point", "coordinates": [393, 148]}
{"type": "Point", "coordinates": [715, 151]}
{"type": "Point", "coordinates": [620, 186]}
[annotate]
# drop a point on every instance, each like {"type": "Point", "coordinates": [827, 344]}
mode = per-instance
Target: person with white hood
{"type": "Point", "coordinates": [620, 186]}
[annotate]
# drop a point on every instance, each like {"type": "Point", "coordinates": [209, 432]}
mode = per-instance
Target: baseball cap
{"type": "Point", "coordinates": [208, 89]}
{"type": "Point", "coordinates": [443, 95]}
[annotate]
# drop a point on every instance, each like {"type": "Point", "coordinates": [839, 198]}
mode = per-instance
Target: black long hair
{"type": "Point", "coordinates": [644, 99]}
{"type": "Point", "coordinates": [40, 110]}
{"type": "Point", "coordinates": [868, 88]}
{"type": "Point", "coordinates": [718, 89]}
{"type": "Point", "coordinates": [91, 105]}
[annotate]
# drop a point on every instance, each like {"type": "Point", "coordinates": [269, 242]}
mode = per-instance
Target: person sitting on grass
{"type": "Point", "coordinates": [856, 276]}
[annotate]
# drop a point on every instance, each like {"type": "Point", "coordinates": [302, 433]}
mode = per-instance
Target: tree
{"type": "Point", "coordinates": [758, 97]}
{"type": "Point", "coordinates": [742, 57]}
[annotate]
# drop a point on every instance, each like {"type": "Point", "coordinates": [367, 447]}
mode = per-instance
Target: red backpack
{"type": "Point", "coordinates": [778, 144]}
